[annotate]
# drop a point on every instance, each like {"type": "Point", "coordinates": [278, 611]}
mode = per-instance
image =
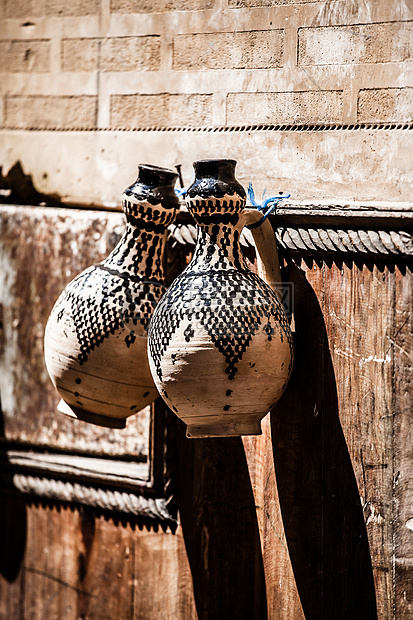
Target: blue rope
{"type": "Point", "coordinates": [264, 205]}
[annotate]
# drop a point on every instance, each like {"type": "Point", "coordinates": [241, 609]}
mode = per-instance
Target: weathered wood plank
{"type": "Point", "coordinates": [358, 312]}
{"type": "Point", "coordinates": [220, 529]}
{"type": "Point", "coordinates": [283, 600]}
{"type": "Point", "coordinates": [299, 522]}
{"type": "Point", "coordinates": [317, 486]}
{"type": "Point", "coordinates": [86, 467]}
{"type": "Point", "coordinates": [13, 541]}
{"type": "Point", "coordinates": [76, 566]}
{"type": "Point", "coordinates": [50, 564]}
{"type": "Point", "coordinates": [401, 342]}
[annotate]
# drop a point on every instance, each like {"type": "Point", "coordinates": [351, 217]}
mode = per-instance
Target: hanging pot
{"type": "Point", "coordinates": [95, 339]}
{"type": "Point", "coordinates": [220, 346]}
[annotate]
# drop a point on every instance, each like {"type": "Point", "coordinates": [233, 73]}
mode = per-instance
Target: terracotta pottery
{"type": "Point", "coordinates": [95, 340]}
{"type": "Point", "coordinates": [220, 346]}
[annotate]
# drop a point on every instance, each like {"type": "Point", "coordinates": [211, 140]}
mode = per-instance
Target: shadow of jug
{"type": "Point", "coordinates": [319, 498]}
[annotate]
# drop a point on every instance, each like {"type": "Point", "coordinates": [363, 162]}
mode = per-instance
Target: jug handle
{"type": "Point", "coordinates": [266, 248]}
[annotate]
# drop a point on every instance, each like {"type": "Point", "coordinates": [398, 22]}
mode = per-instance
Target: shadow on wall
{"type": "Point", "coordinates": [220, 529]}
{"type": "Point", "coordinates": [319, 498]}
{"type": "Point", "coordinates": [17, 188]}
{"type": "Point", "coordinates": [13, 522]}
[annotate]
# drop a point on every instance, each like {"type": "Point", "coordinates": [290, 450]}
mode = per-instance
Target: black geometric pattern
{"type": "Point", "coordinates": [138, 252]}
{"type": "Point", "coordinates": [203, 209]}
{"type": "Point", "coordinates": [219, 293]}
{"type": "Point", "coordinates": [100, 303]}
{"type": "Point", "coordinates": [123, 290]}
{"type": "Point", "coordinates": [155, 218]}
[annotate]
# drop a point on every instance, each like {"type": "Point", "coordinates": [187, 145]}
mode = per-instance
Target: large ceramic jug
{"type": "Point", "coordinates": [220, 346]}
{"type": "Point", "coordinates": [95, 340]}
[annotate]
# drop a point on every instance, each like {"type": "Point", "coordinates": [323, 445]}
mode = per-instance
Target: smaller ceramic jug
{"type": "Point", "coordinates": [95, 339]}
{"type": "Point", "coordinates": [220, 345]}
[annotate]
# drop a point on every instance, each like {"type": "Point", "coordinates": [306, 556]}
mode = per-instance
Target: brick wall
{"type": "Point", "coordinates": [112, 65]}
{"type": "Point", "coordinates": [188, 63]}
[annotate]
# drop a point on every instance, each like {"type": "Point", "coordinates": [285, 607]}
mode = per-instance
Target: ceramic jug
{"type": "Point", "coordinates": [220, 347]}
{"type": "Point", "coordinates": [95, 338]}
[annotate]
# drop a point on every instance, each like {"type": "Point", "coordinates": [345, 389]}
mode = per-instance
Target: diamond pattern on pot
{"type": "Point", "coordinates": [101, 301]}
{"type": "Point", "coordinates": [232, 307]}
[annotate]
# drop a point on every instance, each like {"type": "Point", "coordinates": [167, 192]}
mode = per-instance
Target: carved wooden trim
{"type": "Point", "coordinates": [135, 491]}
{"type": "Point", "coordinates": [328, 240]}
{"type": "Point", "coordinates": [383, 230]}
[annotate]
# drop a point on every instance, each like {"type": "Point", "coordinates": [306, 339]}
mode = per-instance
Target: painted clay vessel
{"type": "Point", "coordinates": [95, 339]}
{"type": "Point", "coordinates": [220, 346]}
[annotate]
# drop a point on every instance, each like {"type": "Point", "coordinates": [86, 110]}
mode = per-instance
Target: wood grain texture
{"type": "Point", "coordinates": [401, 342]}
{"type": "Point", "coordinates": [318, 493]}
{"type": "Point", "coordinates": [281, 590]}
{"type": "Point", "coordinates": [75, 566]}
{"type": "Point", "coordinates": [220, 529]}
{"type": "Point", "coordinates": [358, 312]}
{"type": "Point", "coordinates": [312, 519]}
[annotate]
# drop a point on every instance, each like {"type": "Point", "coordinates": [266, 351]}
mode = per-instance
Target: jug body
{"type": "Point", "coordinates": [95, 338]}
{"type": "Point", "coordinates": [220, 345]}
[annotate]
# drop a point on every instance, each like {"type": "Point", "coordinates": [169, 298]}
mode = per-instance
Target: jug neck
{"type": "Point", "coordinates": [218, 248]}
{"type": "Point", "coordinates": [216, 201]}
{"type": "Point", "coordinates": [139, 254]}
{"type": "Point", "coordinates": [150, 203]}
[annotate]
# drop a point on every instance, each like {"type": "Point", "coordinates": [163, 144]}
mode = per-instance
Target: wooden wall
{"type": "Point", "coordinates": [309, 520]}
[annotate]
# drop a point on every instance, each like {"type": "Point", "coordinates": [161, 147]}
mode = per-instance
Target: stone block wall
{"type": "Point", "coordinates": [215, 65]}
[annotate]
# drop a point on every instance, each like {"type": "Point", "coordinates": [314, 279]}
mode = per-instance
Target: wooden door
{"type": "Point", "coordinates": [312, 519]}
